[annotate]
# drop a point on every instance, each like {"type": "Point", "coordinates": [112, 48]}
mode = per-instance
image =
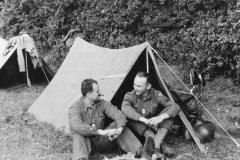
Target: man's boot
{"type": "Point", "coordinates": [167, 151]}
{"type": "Point", "coordinates": [147, 150]}
{"type": "Point", "coordinates": [158, 155]}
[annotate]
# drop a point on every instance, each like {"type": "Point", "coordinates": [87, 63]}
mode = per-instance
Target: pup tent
{"type": "Point", "coordinates": [20, 63]}
{"type": "Point", "coordinates": [3, 44]}
{"type": "Point", "coordinates": [114, 69]}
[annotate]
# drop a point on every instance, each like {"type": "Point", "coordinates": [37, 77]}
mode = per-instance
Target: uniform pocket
{"type": "Point", "coordinates": [99, 121]}
{"type": "Point", "coordinates": [155, 110]}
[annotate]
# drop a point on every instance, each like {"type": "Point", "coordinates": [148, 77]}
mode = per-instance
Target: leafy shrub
{"type": "Point", "coordinates": [195, 33]}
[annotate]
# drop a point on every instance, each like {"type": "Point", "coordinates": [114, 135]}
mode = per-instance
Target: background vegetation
{"type": "Point", "coordinates": [203, 34]}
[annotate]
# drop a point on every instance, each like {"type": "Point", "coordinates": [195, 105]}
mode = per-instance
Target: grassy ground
{"type": "Point", "coordinates": [22, 137]}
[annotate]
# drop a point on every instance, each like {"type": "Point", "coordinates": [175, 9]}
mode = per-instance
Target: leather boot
{"type": "Point", "coordinates": [158, 154]}
{"type": "Point", "coordinates": [167, 151]}
{"type": "Point", "coordinates": [147, 150]}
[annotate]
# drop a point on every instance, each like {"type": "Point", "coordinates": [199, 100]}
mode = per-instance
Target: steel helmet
{"type": "Point", "coordinates": [205, 132]}
{"type": "Point", "coordinates": [196, 122]}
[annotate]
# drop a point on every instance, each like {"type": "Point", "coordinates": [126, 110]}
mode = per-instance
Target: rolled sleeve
{"type": "Point", "coordinates": [172, 108]}
{"type": "Point", "coordinates": [115, 114]}
{"type": "Point", "coordinates": [77, 124]}
{"type": "Point", "coordinates": [127, 108]}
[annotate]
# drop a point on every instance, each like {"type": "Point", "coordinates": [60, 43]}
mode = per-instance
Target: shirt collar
{"type": "Point", "coordinates": [147, 96]}
{"type": "Point", "coordinates": [85, 106]}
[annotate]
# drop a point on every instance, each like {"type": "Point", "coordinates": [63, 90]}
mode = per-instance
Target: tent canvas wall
{"type": "Point", "coordinates": [114, 69]}
{"type": "Point", "coordinates": [3, 45]}
{"type": "Point", "coordinates": [10, 73]}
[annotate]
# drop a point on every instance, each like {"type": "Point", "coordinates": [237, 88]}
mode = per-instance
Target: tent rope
{"type": "Point", "coordinates": [180, 91]}
{"type": "Point", "coordinates": [238, 145]}
{"type": "Point", "coordinates": [43, 69]}
{"type": "Point", "coordinates": [39, 59]}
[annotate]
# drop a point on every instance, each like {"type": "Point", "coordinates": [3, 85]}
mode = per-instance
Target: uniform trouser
{"type": "Point", "coordinates": [141, 127]}
{"type": "Point", "coordinates": [157, 135]}
{"type": "Point", "coordinates": [83, 146]}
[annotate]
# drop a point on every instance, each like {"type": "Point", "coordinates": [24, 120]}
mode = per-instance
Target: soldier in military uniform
{"type": "Point", "coordinates": [87, 120]}
{"type": "Point", "coordinates": [150, 113]}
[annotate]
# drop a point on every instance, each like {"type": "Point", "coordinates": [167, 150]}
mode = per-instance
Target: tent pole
{"type": "Point", "coordinates": [43, 69]}
{"type": "Point", "coordinates": [39, 60]}
{"type": "Point", "coordinates": [181, 114]}
{"type": "Point", "coordinates": [28, 80]}
{"type": "Point", "coordinates": [147, 61]}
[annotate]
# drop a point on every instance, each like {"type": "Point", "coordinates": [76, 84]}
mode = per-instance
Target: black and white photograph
{"type": "Point", "coordinates": [119, 79]}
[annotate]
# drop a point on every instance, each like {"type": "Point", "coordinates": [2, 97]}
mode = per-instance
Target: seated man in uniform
{"type": "Point", "coordinates": [87, 120]}
{"type": "Point", "coordinates": [150, 113]}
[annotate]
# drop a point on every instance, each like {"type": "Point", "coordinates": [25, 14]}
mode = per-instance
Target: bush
{"type": "Point", "coordinates": [195, 33]}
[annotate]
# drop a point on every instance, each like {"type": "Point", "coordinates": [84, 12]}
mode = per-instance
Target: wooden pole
{"type": "Point", "coordinates": [28, 80]}
{"type": "Point", "coordinates": [147, 62]}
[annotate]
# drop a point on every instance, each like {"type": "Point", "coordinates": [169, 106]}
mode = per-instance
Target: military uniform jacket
{"type": "Point", "coordinates": [153, 104]}
{"type": "Point", "coordinates": [85, 120]}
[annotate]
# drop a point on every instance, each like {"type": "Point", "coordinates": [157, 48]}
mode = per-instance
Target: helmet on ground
{"type": "Point", "coordinates": [205, 132]}
{"type": "Point", "coordinates": [196, 122]}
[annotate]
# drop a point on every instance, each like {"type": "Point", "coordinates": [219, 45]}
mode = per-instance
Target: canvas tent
{"type": "Point", "coordinates": [114, 69]}
{"type": "Point", "coordinates": [3, 44]}
{"type": "Point", "coordinates": [20, 63]}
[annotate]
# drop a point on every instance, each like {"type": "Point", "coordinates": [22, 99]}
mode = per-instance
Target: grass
{"type": "Point", "coordinates": [23, 137]}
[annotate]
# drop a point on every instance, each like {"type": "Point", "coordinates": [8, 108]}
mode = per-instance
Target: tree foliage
{"type": "Point", "coordinates": [195, 33]}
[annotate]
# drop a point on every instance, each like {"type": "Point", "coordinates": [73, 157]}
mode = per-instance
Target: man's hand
{"type": "Point", "coordinates": [103, 132]}
{"type": "Point", "coordinates": [119, 130]}
{"type": "Point", "coordinates": [144, 120]}
{"type": "Point", "coordinates": [115, 133]}
{"type": "Point", "coordinates": [111, 133]}
{"type": "Point", "coordinates": [156, 120]}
